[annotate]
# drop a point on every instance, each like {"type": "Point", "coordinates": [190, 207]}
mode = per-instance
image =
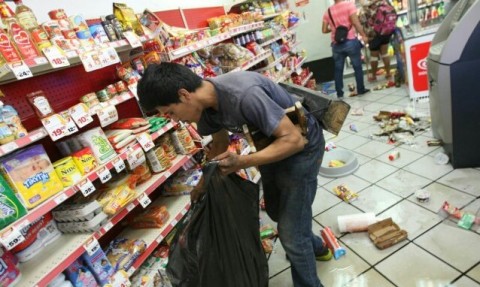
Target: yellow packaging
{"type": "Point", "coordinates": [128, 18]}
{"type": "Point", "coordinates": [31, 174]}
{"type": "Point", "coordinates": [84, 160]}
{"type": "Point", "coordinates": [67, 171]}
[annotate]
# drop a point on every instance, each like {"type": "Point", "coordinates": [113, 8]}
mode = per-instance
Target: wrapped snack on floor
{"type": "Point", "coordinates": [332, 243]}
{"type": "Point", "coordinates": [345, 193]}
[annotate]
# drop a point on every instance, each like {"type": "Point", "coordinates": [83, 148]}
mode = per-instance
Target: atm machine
{"type": "Point", "coordinates": [453, 66]}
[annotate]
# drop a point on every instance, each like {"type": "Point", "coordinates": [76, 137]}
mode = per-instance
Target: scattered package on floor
{"type": "Point", "coordinates": [38, 234]}
{"type": "Point", "coordinates": [31, 174]}
{"type": "Point", "coordinates": [465, 219]}
{"type": "Point", "coordinates": [345, 193]}
{"type": "Point", "coordinates": [386, 233]}
{"type": "Point", "coordinates": [355, 222]}
{"type": "Point", "coordinates": [332, 243]}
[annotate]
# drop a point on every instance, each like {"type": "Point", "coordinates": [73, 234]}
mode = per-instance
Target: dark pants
{"type": "Point", "coordinates": [351, 49]}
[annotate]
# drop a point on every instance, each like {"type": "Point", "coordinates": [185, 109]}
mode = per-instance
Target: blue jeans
{"type": "Point", "coordinates": [351, 49]}
{"type": "Point", "coordinates": [289, 188]}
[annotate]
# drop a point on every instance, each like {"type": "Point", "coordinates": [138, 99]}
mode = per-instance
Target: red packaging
{"type": "Point", "coordinates": [9, 273]}
{"type": "Point", "coordinates": [69, 34]}
{"type": "Point", "coordinates": [40, 104]}
{"type": "Point", "coordinates": [22, 40]}
{"type": "Point", "coordinates": [7, 49]}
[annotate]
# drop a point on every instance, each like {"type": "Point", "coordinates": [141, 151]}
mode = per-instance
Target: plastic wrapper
{"type": "Point", "coordinates": [112, 200]}
{"type": "Point", "coordinates": [345, 193]}
{"type": "Point", "coordinates": [182, 140]}
{"type": "Point", "coordinates": [96, 140]}
{"type": "Point", "coordinates": [152, 217]}
{"type": "Point", "coordinates": [183, 182]}
{"type": "Point", "coordinates": [123, 252]}
{"type": "Point", "coordinates": [9, 116]}
{"type": "Point", "coordinates": [80, 275]}
{"type": "Point", "coordinates": [220, 232]}
{"type": "Point", "coordinates": [129, 123]}
{"type": "Point", "coordinates": [10, 207]}
{"type": "Point", "coordinates": [167, 144]}
{"type": "Point", "coordinates": [127, 17]}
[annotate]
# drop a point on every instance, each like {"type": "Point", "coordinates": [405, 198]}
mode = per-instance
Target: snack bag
{"type": "Point", "coordinates": [84, 160]}
{"type": "Point", "coordinates": [80, 275]}
{"type": "Point", "coordinates": [123, 252]}
{"type": "Point", "coordinates": [99, 265]}
{"type": "Point", "coordinates": [96, 140]}
{"type": "Point", "coordinates": [31, 174]}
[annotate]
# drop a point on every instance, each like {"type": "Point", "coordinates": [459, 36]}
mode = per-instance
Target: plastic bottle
{"type": "Point", "coordinates": [394, 155]}
{"type": "Point", "coordinates": [25, 16]}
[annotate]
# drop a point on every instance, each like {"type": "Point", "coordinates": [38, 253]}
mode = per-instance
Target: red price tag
{"type": "Point", "coordinates": [56, 126]}
{"type": "Point", "coordinates": [145, 140]}
{"type": "Point", "coordinates": [56, 58]}
{"type": "Point", "coordinates": [80, 115]}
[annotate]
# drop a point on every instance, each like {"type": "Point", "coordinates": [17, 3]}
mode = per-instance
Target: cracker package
{"type": "Point", "coordinates": [31, 174]}
{"type": "Point", "coordinates": [127, 17]}
{"type": "Point", "coordinates": [10, 207]}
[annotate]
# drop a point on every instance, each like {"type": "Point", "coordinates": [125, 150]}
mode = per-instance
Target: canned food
{"type": "Point", "coordinates": [111, 90]}
{"type": "Point", "coordinates": [57, 14]}
{"type": "Point", "coordinates": [103, 95]}
{"type": "Point", "coordinates": [67, 171]}
{"type": "Point", "coordinates": [121, 87]}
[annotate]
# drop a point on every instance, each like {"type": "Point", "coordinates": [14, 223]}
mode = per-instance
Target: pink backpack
{"type": "Point", "coordinates": [385, 19]}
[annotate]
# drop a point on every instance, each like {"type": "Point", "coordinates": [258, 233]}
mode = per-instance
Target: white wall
{"type": "Point", "coordinates": [309, 32]}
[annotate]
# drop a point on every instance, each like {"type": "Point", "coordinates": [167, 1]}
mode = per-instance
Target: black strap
{"type": "Point", "coordinates": [333, 22]}
{"type": "Point", "coordinates": [330, 14]}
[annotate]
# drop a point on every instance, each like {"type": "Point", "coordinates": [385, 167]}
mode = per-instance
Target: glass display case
{"type": "Point", "coordinates": [422, 17]}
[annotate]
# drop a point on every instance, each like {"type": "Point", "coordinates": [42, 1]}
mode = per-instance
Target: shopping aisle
{"type": "Point", "coordinates": [437, 252]}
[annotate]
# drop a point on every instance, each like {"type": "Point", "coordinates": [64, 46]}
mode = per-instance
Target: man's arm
{"type": "Point", "coordinates": [326, 28]}
{"type": "Point", "coordinates": [288, 141]}
{"type": "Point", "coordinates": [358, 26]}
{"type": "Point", "coordinates": [219, 144]}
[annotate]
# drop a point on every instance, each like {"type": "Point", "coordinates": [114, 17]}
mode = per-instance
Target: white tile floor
{"type": "Point", "coordinates": [437, 252]}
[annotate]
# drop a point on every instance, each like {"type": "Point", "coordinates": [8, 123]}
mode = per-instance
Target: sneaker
{"type": "Point", "coordinates": [324, 255]}
{"type": "Point", "coordinates": [364, 92]}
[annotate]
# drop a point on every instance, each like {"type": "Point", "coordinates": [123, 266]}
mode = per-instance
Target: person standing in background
{"type": "Point", "coordinates": [378, 19]}
{"type": "Point", "coordinates": [344, 13]}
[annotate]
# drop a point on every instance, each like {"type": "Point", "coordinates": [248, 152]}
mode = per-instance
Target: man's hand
{"type": "Point", "coordinates": [229, 162]}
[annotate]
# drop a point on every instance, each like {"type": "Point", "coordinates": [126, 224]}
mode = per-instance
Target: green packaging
{"type": "Point", "coordinates": [10, 207]}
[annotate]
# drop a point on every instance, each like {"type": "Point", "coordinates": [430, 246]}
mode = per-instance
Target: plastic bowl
{"type": "Point", "coordinates": [348, 157]}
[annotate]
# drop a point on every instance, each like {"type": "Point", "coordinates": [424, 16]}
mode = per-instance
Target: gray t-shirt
{"type": "Point", "coordinates": [246, 98]}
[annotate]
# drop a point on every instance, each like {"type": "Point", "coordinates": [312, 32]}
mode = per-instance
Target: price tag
{"type": "Point", "coordinates": [145, 140]}
{"type": "Point", "coordinates": [40, 60]}
{"type": "Point", "coordinates": [61, 198]}
{"type": "Point", "coordinates": [86, 187]}
{"type": "Point", "coordinates": [130, 207]}
{"type": "Point", "coordinates": [38, 135]}
{"type": "Point", "coordinates": [133, 89]}
{"type": "Point", "coordinates": [56, 58]}
{"type": "Point", "coordinates": [174, 222]}
{"type": "Point", "coordinates": [119, 164]}
{"type": "Point", "coordinates": [80, 115]}
{"type": "Point", "coordinates": [70, 127]}
{"type": "Point", "coordinates": [107, 115]}
{"type": "Point", "coordinates": [55, 126]}
{"type": "Point", "coordinates": [91, 246]}
{"type": "Point", "coordinates": [167, 174]}
{"type": "Point", "coordinates": [20, 70]}
{"type": "Point", "coordinates": [144, 200]}
{"type": "Point", "coordinates": [11, 237]}
{"type": "Point", "coordinates": [104, 174]}
{"type": "Point", "coordinates": [133, 39]}
{"type": "Point", "coordinates": [109, 56]}
{"type": "Point", "coordinates": [91, 61]}
{"type": "Point", "coordinates": [108, 226]}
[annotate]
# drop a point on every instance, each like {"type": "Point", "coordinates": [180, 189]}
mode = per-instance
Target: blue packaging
{"type": "Point", "coordinates": [80, 275]}
{"type": "Point", "coordinates": [100, 266]}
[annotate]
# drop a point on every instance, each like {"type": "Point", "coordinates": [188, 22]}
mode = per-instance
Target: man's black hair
{"type": "Point", "coordinates": [160, 84]}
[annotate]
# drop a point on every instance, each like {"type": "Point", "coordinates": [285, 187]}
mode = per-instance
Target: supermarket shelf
{"type": "Point", "coordinates": [60, 197]}
{"type": "Point", "coordinates": [272, 65]}
{"type": "Point", "coordinates": [177, 207]}
{"type": "Point", "coordinates": [289, 73]}
{"type": "Point", "coordinates": [305, 81]}
{"type": "Point", "coordinates": [270, 16]}
{"type": "Point", "coordinates": [252, 62]}
{"type": "Point", "coordinates": [271, 41]}
{"type": "Point", "coordinates": [183, 51]}
{"type": "Point", "coordinates": [41, 133]}
{"type": "Point", "coordinates": [40, 65]}
{"type": "Point", "coordinates": [31, 137]}
{"type": "Point", "coordinates": [234, 31]}
{"type": "Point", "coordinates": [55, 260]}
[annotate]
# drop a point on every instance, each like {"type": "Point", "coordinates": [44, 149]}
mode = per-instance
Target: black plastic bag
{"type": "Point", "coordinates": [218, 242]}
